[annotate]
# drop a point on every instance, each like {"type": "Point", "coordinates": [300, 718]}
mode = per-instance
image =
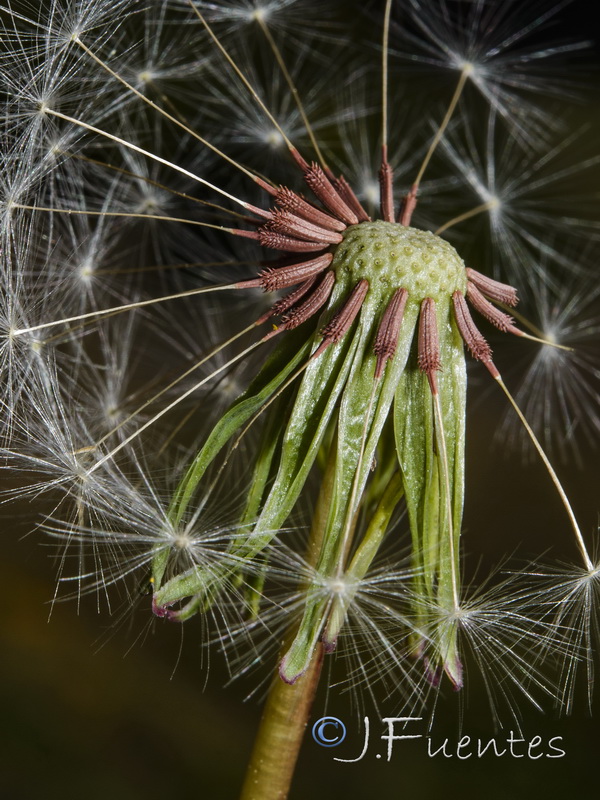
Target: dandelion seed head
{"type": "Point", "coordinates": [86, 391]}
{"type": "Point", "coordinates": [500, 635]}
{"type": "Point", "coordinates": [372, 648]}
{"type": "Point", "coordinates": [182, 541]}
{"type": "Point", "coordinates": [287, 15]}
{"type": "Point", "coordinates": [490, 44]}
{"type": "Point", "coordinates": [558, 387]}
{"type": "Point", "coordinates": [86, 271]}
{"type": "Point", "coordinates": [525, 195]}
{"type": "Point", "coordinates": [230, 387]}
{"type": "Point", "coordinates": [569, 599]}
{"type": "Point", "coordinates": [260, 13]}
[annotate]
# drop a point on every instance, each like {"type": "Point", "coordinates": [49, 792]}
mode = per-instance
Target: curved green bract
{"type": "Point", "coordinates": [290, 353]}
{"type": "Point", "coordinates": [434, 537]}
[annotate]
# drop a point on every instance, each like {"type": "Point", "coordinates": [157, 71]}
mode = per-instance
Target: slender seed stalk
{"type": "Point", "coordinates": [131, 146]}
{"type": "Point", "coordinates": [172, 405]}
{"type": "Point", "coordinates": [384, 75]}
{"type": "Point", "coordinates": [589, 564]}
{"type": "Point", "coordinates": [162, 111]}
{"type": "Point", "coordinates": [113, 310]}
{"type": "Point", "coordinates": [411, 198]}
{"type": "Point", "coordinates": [466, 71]}
{"type": "Point", "coordinates": [292, 87]}
{"type": "Point", "coordinates": [465, 216]}
{"type": "Point", "coordinates": [129, 214]}
{"type": "Point", "coordinates": [241, 76]}
{"type": "Point", "coordinates": [173, 383]}
{"type": "Point", "coordinates": [145, 179]}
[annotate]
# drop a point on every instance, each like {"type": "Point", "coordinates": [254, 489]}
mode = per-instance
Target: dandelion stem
{"type": "Point", "coordinates": [280, 735]}
{"type": "Point", "coordinates": [565, 500]}
{"type": "Point", "coordinates": [284, 719]}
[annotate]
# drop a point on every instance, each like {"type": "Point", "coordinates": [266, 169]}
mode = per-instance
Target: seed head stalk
{"type": "Point", "coordinates": [280, 735]}
{"type": "Point", "coordinates": [283, 723]}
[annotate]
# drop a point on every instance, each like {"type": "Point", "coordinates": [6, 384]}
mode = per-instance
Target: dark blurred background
{"type": "Point", "coordinates": [91, 708]}
{"type": "Point", "coordinates": [95, 706]}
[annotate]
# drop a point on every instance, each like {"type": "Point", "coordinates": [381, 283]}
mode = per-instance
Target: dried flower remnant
{"type": "Point", "coordinates": [387, 275]}
{"type": "Point", "coordinates": [378, 281]}
{"type": "Point", "coordinates": [364, 383]}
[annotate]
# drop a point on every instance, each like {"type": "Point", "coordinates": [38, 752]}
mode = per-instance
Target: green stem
{"type": "Point", "coordinates": [271, 768]}
{"type": "Point", "coordinates": [280, 735]}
